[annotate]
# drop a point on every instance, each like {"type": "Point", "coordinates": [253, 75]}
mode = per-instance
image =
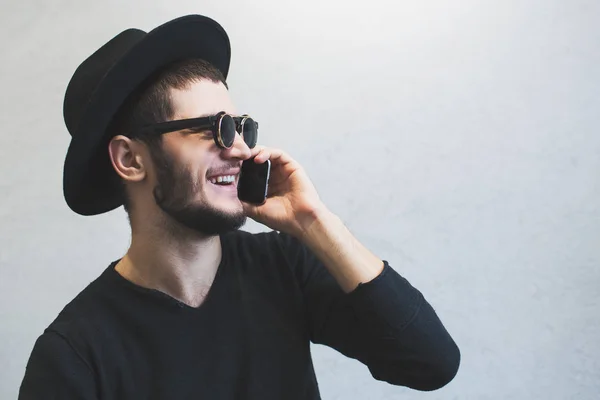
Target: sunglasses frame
{"type": "Point", "coordinates": [212, 122]}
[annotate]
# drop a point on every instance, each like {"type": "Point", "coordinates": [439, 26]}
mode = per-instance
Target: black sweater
{"type": "Point", "coordinates": [250, 339]}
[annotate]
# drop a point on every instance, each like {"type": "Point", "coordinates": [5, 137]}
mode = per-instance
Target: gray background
{"type": "Point", "coordinates": [457, 139]}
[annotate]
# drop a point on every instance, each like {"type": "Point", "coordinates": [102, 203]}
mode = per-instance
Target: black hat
{"type": "Point", "coordinates": [103, 82]}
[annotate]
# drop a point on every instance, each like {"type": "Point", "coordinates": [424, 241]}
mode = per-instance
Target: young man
{"type": "Point", "coordinates": [198, 308]}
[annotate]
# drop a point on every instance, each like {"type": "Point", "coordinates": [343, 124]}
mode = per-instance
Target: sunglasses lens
{"type": "Point", "coordinates": [250, 132]}
{"type": "Point", "coordinates": [227, 131]}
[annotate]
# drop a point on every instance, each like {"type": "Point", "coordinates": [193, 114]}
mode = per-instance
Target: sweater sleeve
{"type": "Point", "coordinates": [56, 371]}
{"type": "Point", "coordinates": [386, 323]}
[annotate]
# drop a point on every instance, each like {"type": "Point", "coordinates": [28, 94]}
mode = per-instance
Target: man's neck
{"type": "Point", "coordinates": [182, 266]}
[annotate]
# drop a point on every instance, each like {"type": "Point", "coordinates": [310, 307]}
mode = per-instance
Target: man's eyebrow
{"type": "Point", "coordinates": [194, 117]}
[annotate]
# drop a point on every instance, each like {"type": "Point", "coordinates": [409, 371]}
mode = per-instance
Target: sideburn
{"type": "Point", "coordinates": [170, 192]}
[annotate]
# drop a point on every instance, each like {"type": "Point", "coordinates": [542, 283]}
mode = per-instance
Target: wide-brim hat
{"type": "Point", "coordinates": [103, 82]}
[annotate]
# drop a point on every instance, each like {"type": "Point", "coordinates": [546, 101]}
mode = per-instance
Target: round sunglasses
{"type": "Point", "coordinates": [224, 127]}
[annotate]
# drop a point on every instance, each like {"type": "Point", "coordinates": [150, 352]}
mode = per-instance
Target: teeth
{"type": "Point", "coordinates": [225, 178]}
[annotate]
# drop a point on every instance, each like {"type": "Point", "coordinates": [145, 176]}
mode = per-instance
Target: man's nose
{"type": "Point", "coordinates": [239, 150]}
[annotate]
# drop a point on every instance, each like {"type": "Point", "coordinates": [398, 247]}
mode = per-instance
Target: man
{"type": "Point", "coordinates": [197, 308]}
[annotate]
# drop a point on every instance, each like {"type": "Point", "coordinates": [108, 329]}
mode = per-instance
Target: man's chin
{"type": "Point", "coordinates": [226, 204]}
{"type": "Point", "coordinates": [209, 221]}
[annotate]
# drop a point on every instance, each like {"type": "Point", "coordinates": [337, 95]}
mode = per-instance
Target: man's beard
{"type": "Point", "coordinates": [175, 193]}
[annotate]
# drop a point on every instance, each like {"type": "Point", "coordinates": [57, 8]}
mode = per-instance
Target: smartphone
{"type": "Point", "coordinates": [254, 181]}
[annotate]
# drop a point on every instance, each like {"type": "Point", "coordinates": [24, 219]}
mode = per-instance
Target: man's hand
{"type": "Point", "coordinates": [292, 201]}
{"type": "Point", "coordinates": [293, 206]}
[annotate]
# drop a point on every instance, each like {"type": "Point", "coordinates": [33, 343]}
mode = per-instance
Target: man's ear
{"type": "Point", "coordinates": [126, 156]}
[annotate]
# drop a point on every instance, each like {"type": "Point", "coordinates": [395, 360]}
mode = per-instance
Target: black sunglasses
{"type": "Point", "coordinates": [223, 126]}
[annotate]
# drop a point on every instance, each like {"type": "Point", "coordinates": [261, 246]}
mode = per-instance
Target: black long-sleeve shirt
{"type": "Point", "coordinates": [250, 339]}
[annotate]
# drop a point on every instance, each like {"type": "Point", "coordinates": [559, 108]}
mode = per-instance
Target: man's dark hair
{"type": "Point", "coordinates": [151, 103]}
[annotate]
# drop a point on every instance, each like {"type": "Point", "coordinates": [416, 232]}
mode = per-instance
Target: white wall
{"type": "Point", "coordinates": [457, 139]}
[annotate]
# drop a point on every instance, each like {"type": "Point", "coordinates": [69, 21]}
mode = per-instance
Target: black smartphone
{"type": "Point", "coordinates": [254, 181]}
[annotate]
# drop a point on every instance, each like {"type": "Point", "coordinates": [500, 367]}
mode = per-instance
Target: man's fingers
{"type": "Point", "coordinates": [263, 155]}
{"type": "Point", "coordinates": [277, 157]}
{"type": "Point", "coordinates": [280, 157]}
{"type": "Point", "coordinates": [254, 151]}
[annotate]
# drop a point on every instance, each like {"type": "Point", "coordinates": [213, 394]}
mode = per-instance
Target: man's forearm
{"type": "Point", "coordinates": [348, 261]}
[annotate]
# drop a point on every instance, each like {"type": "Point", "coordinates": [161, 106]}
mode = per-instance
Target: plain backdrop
{"type": "Point", "coordinates": [457, 139]}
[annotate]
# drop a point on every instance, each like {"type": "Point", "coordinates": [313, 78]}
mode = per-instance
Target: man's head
{"type": "Point", "coordinates": [172, 174]}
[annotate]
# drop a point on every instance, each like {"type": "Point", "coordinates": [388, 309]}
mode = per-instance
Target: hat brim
{"type": "Point", "coordinates": [90, 185]}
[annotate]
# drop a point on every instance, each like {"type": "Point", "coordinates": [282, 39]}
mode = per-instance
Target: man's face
{"type": "Point", "coordinates": [189, 162]}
